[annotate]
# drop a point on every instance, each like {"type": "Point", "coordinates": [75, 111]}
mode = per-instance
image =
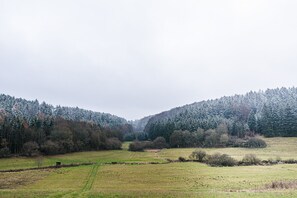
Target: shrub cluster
{"type": "Point", "coordinates": [255, 143]}
{"type": "Point", "coordinates": [113, 144]}
{"type": "Point", "coordinates": [216, 159]}
{"type": "Point", "coordinates": [250, 159]}
{"type": "Point", "coordinates": [198, 155]}
{"type": "Point", "coordinates": [220, 160]}
{"type": "Point", "coordinates": [274, 161]}
{"type": "Point", "coordinates": [139, 145]}
{"type": "Point", "coordinates": [290, 161]}
{"type": "Point", "coordinates": [158, 143]}
{"type": "Point", "coordinates": [182, 159]}
{"type": "Point", "coordinates": [283, 185]}
{"type": "Point", "coordinates": [218, 137]}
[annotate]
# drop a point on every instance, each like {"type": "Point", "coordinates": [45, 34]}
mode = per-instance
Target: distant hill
{"type": "Point", "coordinates": [32, 109]}
{"type": "Point", "coordinates": [28, 124]}
{"type": "Point", "coordinates": [139, 125]}
{"type": "Point", "coordinates": [272, 113]}
{"type": "Point", "coordinates": [30, 128]}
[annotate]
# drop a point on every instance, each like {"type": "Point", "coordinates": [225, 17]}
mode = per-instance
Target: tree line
{"type": "Point", "coordinates": [218, 137]}
{"type": "Point", "coordinates": [54, 136]}
{"type": "Point", "coordinates": [29, 110]}
{"type": "Point", "coordinates": [270, 113]}
{"type": "Point", "coordinates": [31, 128]}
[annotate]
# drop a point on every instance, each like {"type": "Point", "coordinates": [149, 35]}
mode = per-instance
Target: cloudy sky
{"type": "Point", "coordinates": [135, 58]}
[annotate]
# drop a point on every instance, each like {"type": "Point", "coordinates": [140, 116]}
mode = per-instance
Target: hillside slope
{"type": "Point", "coordinates": [30, 128]}
{"type": "Point", "coordinates": [31, 109]}
{"type": "Point", "coordinates": [139, 125]}
{"type": "Point", "coordinates": [272, 113]}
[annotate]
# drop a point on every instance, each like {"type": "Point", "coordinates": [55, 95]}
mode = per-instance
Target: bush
{"type": "Point", "coordinates": [270, 161]}
{"type": "Point", "coordinates": [220, 160]}
{"type": "Point", "coordinates": [159, 143]}
{"type": "Point", "coordinates": [113, 144]}
{"type": "Point", "coordinates": [140, 146]}
{"type": "Point", "coordinates": [50, 148]}
{"type": "Point", "coordinates": [290, 161]}
{"type": "Point", "coordinates": [251, 159]}
{"type": "Point", "coordinates": [136, 146]}
{"type": "Point", "coordinates": [182, 159]}
{"type": "Point", "coordinates": [274, 161]}
{"type": "Point", "coordinates": [198, 155]}
{"type": "Point", "coordinates": [255, 143]}
{"type": "Point", "coordinates": [283, 185]}
{"type": "Point", "coordinates": [148, 144]}
{"type": "Point", "coordinates": [4, 152]}
{"type": "Point", "coordinates": [30, 149]}
{"type": "Point", "coordinates": [236, 142]}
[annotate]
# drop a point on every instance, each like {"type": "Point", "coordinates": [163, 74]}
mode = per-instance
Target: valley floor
{"type": "Point", "coordinates": [152, 180]}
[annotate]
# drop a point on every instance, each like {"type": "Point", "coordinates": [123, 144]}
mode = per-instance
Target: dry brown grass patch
{"type": "Point", "coordinates": [153, 150]}
{"type": "Point", "coordinates": [12, 180]}
{"type": "Point", "coordinates": [282, 185]}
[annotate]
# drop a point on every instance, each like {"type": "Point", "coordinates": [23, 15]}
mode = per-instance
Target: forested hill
{"type": "Point", "coordinates": [139, 125]}
{"type": "Point", "coordinates": [30, 128]}
{"type": "Point", "coordinates": [30, 110]}
{"type": "Point", "coordinates": [272, 113]}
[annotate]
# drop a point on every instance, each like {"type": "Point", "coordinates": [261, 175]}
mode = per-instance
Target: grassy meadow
{"type": "Point", "coordinates": [283, 147]}
{"type": "Point", "coordinates": [151, 180]}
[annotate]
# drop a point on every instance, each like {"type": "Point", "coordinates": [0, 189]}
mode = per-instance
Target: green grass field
{"type": "Point", "coordinates": [80, 157]}
{"type": "Point", "coordinates": [276, 147]}
{"type": "Point", "coordinates": [152, 180]}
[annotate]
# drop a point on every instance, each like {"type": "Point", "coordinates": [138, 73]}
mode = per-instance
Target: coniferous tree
{"type": "Point", "coordinates": [252, 122]}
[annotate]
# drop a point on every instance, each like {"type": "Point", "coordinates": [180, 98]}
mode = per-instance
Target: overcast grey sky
{"type": "Point", "coordinates": [136, 58]}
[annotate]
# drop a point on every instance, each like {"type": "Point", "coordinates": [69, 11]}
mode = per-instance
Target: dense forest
{"type": "Point", "coordinates": [270, 113]}
{"type": "Point", "coordinates": [31, 109]}
{"type": "Point", "coordinates": [29, 128]}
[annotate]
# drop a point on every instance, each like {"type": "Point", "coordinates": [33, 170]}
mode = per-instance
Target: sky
{"type": "Point", "coordinates": [136, 58]}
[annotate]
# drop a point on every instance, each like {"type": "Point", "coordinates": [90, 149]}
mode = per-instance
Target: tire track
{"type": "Point", "coordinates": [88, 185]}
{"type": "Point", "coordinates": [91, 178]}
